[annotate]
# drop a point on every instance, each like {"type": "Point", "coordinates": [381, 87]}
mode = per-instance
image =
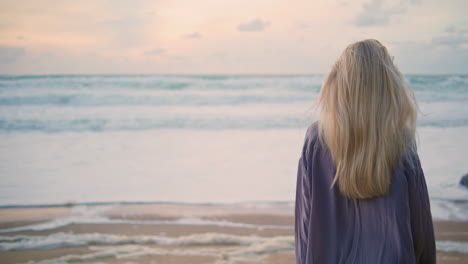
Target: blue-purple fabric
{"type": "Point", "coordinates": [330, 228]}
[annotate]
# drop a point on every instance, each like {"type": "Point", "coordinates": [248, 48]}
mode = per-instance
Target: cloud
{"type": "Point", "coordinates": [194, 35]}
{"type": "Point", "coordinates": [10, 54]}
{"type": "Point", "coordinates": [451, 36]}
{"type": "Point", "coordinates": [378, 13]}
{"type": "Point", "coordinates": [156, 51]}
{"type": "Point", "coordinates": [254, 25]}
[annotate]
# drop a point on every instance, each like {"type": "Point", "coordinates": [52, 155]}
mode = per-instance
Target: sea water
{"type": "Point", "coordinates": [193, 138]}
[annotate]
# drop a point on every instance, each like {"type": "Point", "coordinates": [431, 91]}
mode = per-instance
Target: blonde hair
{"type": "Point", "coordinates": [367, 118]}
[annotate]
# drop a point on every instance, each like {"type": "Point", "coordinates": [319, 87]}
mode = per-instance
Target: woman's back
{"type": "Point", "coordinates": [361, 194]}
{"type": "Point", "coordinates": [331, 228]}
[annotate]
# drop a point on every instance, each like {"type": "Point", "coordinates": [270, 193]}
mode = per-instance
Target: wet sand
{"type": "Point", "coordinates": [268, 222]}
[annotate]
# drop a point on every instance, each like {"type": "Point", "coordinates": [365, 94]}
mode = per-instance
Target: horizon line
{"type": "Point", "coordinates": [192, 74]}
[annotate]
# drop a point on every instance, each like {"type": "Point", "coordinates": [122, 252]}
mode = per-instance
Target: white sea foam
{"type": "Point", "coordinates": [233, 247]}
{"type": "Point", "coordinates": [452, 246]}
{"type": "Point", "coordinates": [123, 252]}
{"type": "Point", "coordinates": [450, 210]}
{"type": "Point", "coordinates": [80, 215]}
{"type": "Point", "coordinates": [222, 255]}
{"type": "Point", "coordinates": [69, 239]}
{"type": "Point", "coordinates": [93, 215]}
{"type": "Point", "coordinates": [251, 244]}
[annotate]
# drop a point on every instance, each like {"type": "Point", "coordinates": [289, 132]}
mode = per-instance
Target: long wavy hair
{"type": "Point", "coordinates": [367, 118]}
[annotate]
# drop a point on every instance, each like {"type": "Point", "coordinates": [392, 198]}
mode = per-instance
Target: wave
{"type": "Point", "coordinates": [159, 81]}
{"type": "Point", "coordinates": [188, 99]}
{"type": "Point", "coordinates": [94, 215]}
{"type": "Point", "coordinates": [438, 82]}
{"type": "Point", "coordinates": [163, 82]}
{"type": "Point", "coordinates": [69, 239]}
{"type": "Point", "coordinates": [81, 100]}
{"type": "Point", "coordinates": [212, 123]}
{"type": "Point", "coordinates": [428, 87]}
{"type": "Point", "coordinates": [184, 221]}
{"type": "Point", "coordinates": [454, 209]}
{"type": "Point", "coordinates": [261, 204]}
{"type": "Point", "coordinates": [96, 125]}
{"type": "Point", "coordinates": [121, 246]}
{"type": "Point", "coordinates": [224, 247]}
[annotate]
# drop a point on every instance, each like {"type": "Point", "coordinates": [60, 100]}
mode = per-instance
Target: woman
{"type": "Point", "coordinates": [361, 196]}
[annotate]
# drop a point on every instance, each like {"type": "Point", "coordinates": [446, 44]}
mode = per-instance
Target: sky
{"type": "Point", "coordinates": [226, 36]}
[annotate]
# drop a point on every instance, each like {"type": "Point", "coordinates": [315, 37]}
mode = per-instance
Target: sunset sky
{"type": "Point", "coordinates": [226, 36]}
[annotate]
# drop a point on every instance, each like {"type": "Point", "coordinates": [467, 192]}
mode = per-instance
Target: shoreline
{"type": "Point", "coordinates": [172, 233]}
{"type": "Point", "coordinates": [436, 204]}
{"type": "Point", "coordinates": [118, 203]}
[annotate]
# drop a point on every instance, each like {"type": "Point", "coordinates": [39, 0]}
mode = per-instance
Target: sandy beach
{"type": "Point", "coordinates": [170, 233]}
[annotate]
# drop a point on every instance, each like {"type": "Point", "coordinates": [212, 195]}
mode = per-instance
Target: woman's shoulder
{"type": "Point", "coordinates": [411, 162]}
{"type": "Point", "coordinates": [312, 132]}
{"type": "Point", "coordinates": [312, 136]}
{"type": "Point", "coordinates": [311, 139]}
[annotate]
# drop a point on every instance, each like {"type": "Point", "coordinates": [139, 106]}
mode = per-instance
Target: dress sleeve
{"type": "Point", "coordinates": [302, 207]}
{"type": "Point", "coordinates": [421, 217]}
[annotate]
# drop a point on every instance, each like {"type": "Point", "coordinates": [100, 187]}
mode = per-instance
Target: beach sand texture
{"type": "Point", "coordinates": [170, 233]}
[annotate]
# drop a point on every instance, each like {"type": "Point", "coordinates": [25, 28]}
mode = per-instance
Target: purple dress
{"type": "Point", "coordinates": [330, 228]}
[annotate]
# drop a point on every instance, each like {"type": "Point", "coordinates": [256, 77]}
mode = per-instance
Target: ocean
{"type": "Point", "coordinates": [204, 139]}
